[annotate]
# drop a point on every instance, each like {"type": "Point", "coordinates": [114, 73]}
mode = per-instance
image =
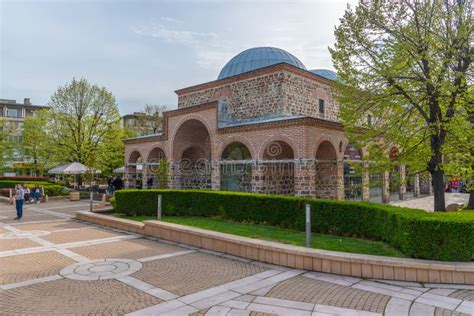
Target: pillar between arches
{"type": "Point", "coordinates": [258, 178]}
{"type": "Point", "coordinates": [340, 180]}
{"type": "Point", "coordinates": [215, 176]}
{"type": "Point", "coordinates": [305, 178]}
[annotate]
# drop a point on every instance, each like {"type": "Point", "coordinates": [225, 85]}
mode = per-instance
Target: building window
{"type": "Point", "coordinates": [13, 113]}
{"type": "Point", "coordinates": [321, 106]}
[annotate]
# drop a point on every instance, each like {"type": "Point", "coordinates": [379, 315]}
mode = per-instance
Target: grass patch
{"type": "Point", "coordinates": [272, 233]}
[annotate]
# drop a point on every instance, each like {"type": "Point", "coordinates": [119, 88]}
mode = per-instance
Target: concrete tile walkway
{"type": "Point", "coordinates": [427, 203]}
{"type": "Point", "coordinates": [52, 264]}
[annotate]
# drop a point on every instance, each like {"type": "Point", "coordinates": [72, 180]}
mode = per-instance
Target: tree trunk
{"type": "Point", "coordinates": [438, 190]}
{"type": "Point", "coordinates": [470, 204]}
{"type": "Point", "coordinates": [437, 174]}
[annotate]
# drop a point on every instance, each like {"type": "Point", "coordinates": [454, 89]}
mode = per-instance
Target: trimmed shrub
{"type": "Point", "coordinates": [49, 189]}
{"type": "Point", "coordinates": [12, 184]}
{"type": "Point", "coordinates": [112, 201]}
{"type": "Point", "coordinates": [25, 178]}
{"type": "Point", "coordinates": [435, 236]}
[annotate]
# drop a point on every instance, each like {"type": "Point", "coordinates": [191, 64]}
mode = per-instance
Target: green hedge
{"type": "Point", "coordinates": [12, 184]}
{"type": "Point", "coordinates": [435, 236]}
{"type": "Point", "coordinates": [49, 189]}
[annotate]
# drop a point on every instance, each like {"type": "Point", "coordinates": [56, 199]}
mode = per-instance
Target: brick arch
{"type": "Point", "coordinates": [279, 138]}
{"type": "Point", "coordinates": [235, 139]}
{"type": "Point", "coordinates": [344, 147]}
{"type": "Point", "coordinates": [326, 151]}
{"type": "Point", "coordinates": [327, 138]}
{"type": "Point", "coordinates": [159, 148]}
{"type": "Point", "coordinates": [199, 121]}
{"type": "Point", "coordinates": [133, 151]}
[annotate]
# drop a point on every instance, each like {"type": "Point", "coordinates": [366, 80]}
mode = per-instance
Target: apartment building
{"type": "Point", "coordinates": [13, 115]}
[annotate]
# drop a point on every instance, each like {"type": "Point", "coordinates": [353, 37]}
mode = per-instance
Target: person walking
{"type": "Point", "coordinates": [19, 200]}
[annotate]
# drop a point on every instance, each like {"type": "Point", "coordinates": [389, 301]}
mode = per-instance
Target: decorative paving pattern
{"type": "Point", "coordinates": [12, 244]}
{"type": "Point", "coordinates": [28, 234]}
{"type": "Point", "coordinates": [447, 312]}
{"type": "Point", "coordinates": [46, 269]}
{"type": "Point", "coordinates": [130, 249]}
{"type": "Point", "coordinates": [20, 268]}
{"type": "Point", "coordinates": [101, 269]}
{"type": "Point", "coordinates": [69, 297]}
{"type": "Point", "coordinates": [194, 272]}
{"type": "Point", "coordinates": [60, 225]}
{"type": "Point", "coordinates": [80, 235]}
{"type": "Point", "coordinates": [28, 218]}
{"type": "Point", "coordinates": [306, 290]}
{"type": "Point", "coordinates": [464, 295]}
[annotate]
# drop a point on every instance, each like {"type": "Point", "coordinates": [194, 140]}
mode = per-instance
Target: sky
{"type": "Point", "coordinates": [142, 51]}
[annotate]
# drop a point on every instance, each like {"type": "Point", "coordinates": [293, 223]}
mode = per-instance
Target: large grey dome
{"type": "Point", "coordinates": [326, 73]}
{"type": "Point", "coordinates": [258, 57]}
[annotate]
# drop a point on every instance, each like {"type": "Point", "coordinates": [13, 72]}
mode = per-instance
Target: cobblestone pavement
{"type": "Point", "coordinates": [51, 264]}
{"type": "Point", "coordinates": [427, 203]}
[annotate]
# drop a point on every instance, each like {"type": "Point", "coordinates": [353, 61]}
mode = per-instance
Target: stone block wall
{"type": "Point", "coordinates": [273, 92]}
{"type": "Point", "coordinates": [302, 95]}
{"type": "Point", "coordinates": [250, 98]}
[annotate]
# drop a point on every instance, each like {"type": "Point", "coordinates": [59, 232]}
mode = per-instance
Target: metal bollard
{"type": "Point", "coordinates": [159, 207]}
{"type": "Point", "coordinates": [91, 201]}
{"type": "Point", "coordinates": [308, 225]}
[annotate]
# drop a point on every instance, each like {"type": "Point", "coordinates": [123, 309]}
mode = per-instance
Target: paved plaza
{"type": "Point", "coordinates": [427, 203]}
{"type": "Point", "coordinates": [52, 264]}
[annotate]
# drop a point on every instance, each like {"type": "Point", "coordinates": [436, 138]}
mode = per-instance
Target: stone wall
{"type": "Point", "coordinates": [255, 97]}
{"type": "Point", "coordinates": [274, 93]}
{"type": "Point", "coordinates": [302, 95]}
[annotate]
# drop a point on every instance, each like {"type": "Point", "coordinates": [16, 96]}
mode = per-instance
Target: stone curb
{"type": "Point", "coordinates": [357, 265]}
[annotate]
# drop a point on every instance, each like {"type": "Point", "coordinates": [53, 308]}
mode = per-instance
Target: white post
{"type": "Point", "coordinates": [91, 196]}
{"type": "Point", "coordinates": [91, 201]}
{"type": "Point", "coordinates": [308, 225]}
{"type": "Point", "coordinates": [159, 207]}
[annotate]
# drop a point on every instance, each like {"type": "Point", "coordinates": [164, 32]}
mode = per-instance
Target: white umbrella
{"type": "Point", "coordinates": [71, 168]}
{"type": "Point", "coordinates": [119, 170]}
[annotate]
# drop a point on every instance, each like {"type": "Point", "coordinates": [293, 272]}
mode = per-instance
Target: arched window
{"type": "Point", "coordinates": [236, 176]}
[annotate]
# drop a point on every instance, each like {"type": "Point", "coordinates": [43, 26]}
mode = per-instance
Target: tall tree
{"type": "Point", "coordinates": [408, 65]}
{"type": "Point", "coordinates": [83, 119]}
{"type": "Point", "coordinates": [36, 141]}
{"type": "Point", "coordinates": [152, 120]}
{"type": "Point", "coordinates": [7, 144]}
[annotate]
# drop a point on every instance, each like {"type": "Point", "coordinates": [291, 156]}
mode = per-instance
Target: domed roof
{"type": "Point", "coordinates": [326, 73]}
{"type": "Point", "coordinates": [258, 57]}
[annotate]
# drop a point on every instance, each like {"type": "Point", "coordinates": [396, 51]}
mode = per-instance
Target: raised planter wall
{"type": "Point", "coordinates": [358, 265]}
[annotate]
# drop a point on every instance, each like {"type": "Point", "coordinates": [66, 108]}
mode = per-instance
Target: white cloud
{"type": "Point", "coordinates": [211, 51]}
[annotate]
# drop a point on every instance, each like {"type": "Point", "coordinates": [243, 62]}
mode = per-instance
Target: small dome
{"type": "Point", "coordinates": [258, 57]}
{"type": "Point", "coordinates": [326, 73]}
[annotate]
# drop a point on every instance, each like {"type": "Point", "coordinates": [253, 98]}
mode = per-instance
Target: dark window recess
{"type": "Point", "coordinates": [321, 106]}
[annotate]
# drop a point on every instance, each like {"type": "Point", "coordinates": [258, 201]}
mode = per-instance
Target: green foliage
{"type": "Point", "coordinates": [408, 65]}
{"type": "Point", "coordinates": [49, 189]}
{"type": "Point", "coordinates": [162, 173]}
{"type": "Point", "coordinates": [12, 183]}
{"type": "Point", "coordinates": [112, 201]}
{"type": "Point", "coordinates": [83, 121]}
{"type": "Point", "coordinates": [36, 143]}
{"type": "Point", "coordinates": [436, 236]}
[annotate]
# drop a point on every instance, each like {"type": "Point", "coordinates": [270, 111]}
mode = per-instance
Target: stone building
{"type": "Point", "coordinates": [140, 123]}
{"type": "Point", "coordinates": [267, 125]}
{"type": "Point", "coordinates": [12, 117]}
